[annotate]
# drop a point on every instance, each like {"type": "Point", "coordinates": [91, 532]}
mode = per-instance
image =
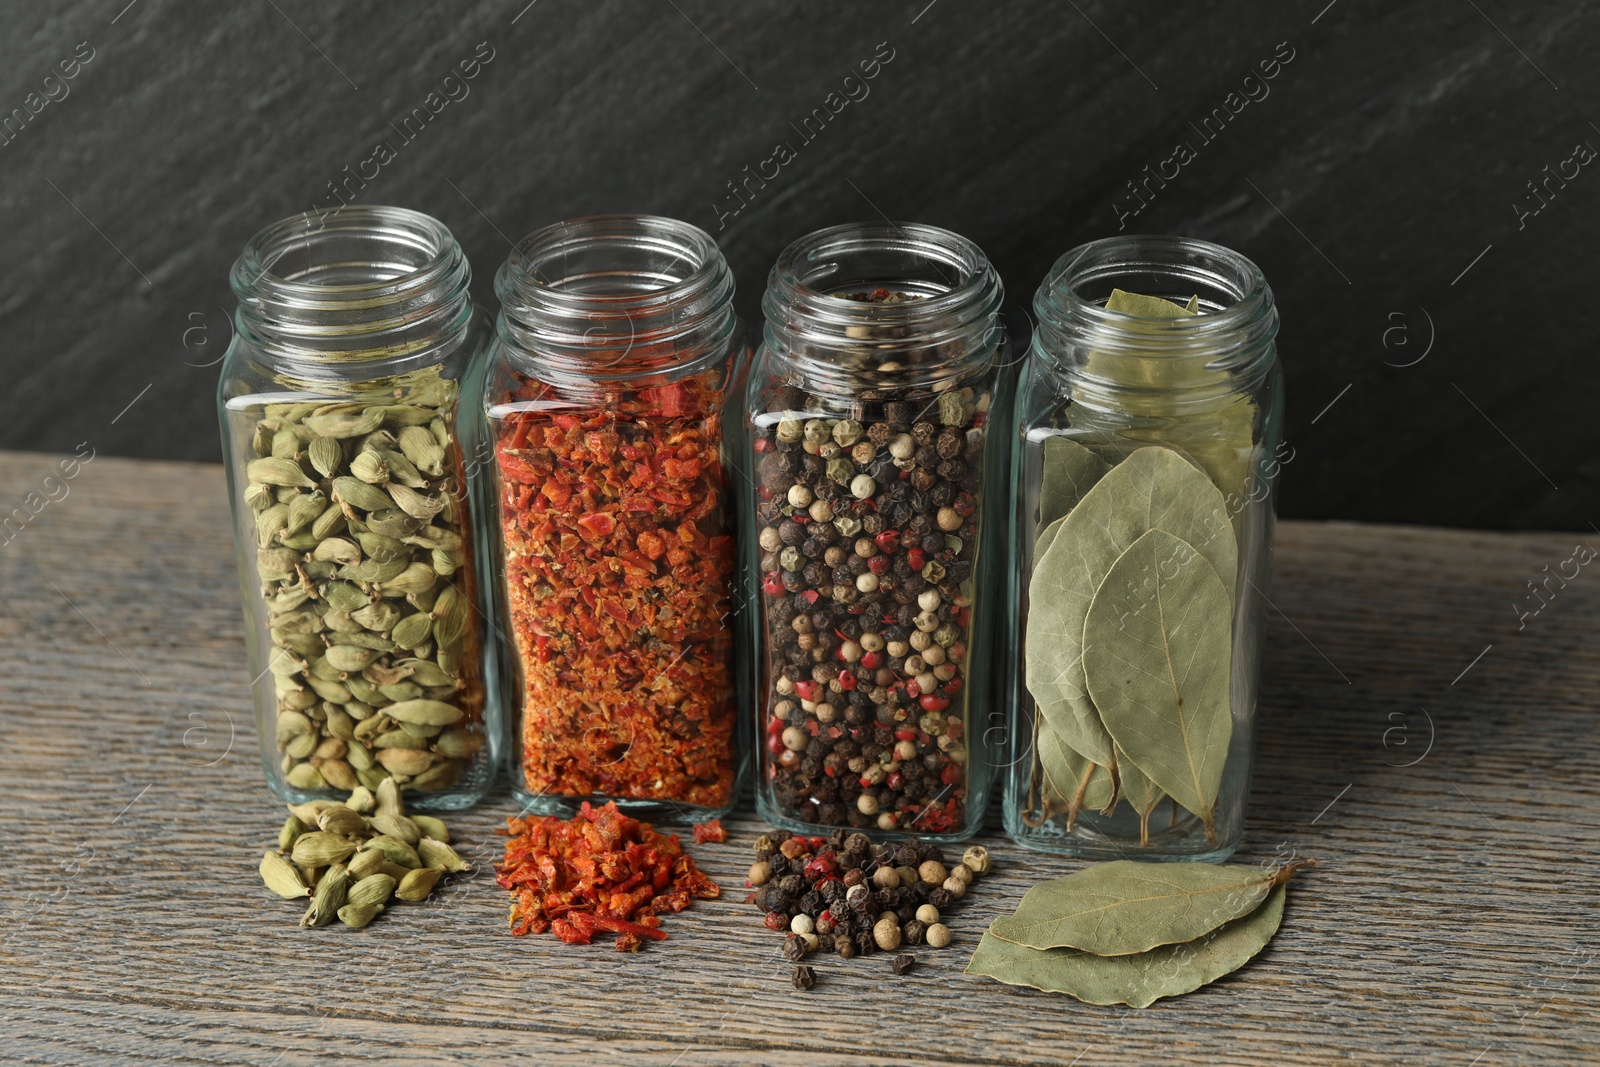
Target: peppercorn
{"type": "Point", "coordinates": [804, 977]}
{"type": "Point", "coordinates": [963, 872]}
{"type": "Point", "coordinates": [886, 934]}
{"type": "Point", "coordinates": [794, 948]}
{"type": "Point", "coordinates": [914, 932]}
{"type": "Point", "coordinates": [938, 935]}
{"type": "Point", "coordinates": [866, 944]}
{"type": "Point", "coordinates": [933, 872]}
{"type": "Point", "coordinates": [903, 963]}
{"type": "Point", "coordinates": [760, 873]}
{"type": "Point", "coordinates": [941, 898]}
{"type": "Point", "coordinates": [955, 887]}
{"type": "Point", "coordinates": [976, 859]}
{"type": "Point", "coordinates": [928, 914]}
{"type": "Point", "coordinates": [845, 947]}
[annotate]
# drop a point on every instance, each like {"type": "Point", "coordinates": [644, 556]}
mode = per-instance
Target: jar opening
{"type": "Point", "coordinates": [616, 293]}
{"type": "Point", "coordinates": [818, 323]}
{"type": "Point", "coordinates": [371, 283]}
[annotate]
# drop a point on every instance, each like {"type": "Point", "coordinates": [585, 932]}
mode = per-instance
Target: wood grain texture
{"type": "Point", "coordinates": [1452, 918]}
{"type": "Point", "coordinates": [1367, 176]}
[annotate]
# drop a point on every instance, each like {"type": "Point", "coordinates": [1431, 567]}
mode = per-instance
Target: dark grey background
{"type": "Point", "coordinates": [1375, 185]}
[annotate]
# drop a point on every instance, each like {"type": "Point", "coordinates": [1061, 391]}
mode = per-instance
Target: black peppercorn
{"type": "Point", "coordinates": [805, 977]}
{"type": "Point", "coordinates": [913, 932]}
{"type": "Point", "coordinates": [794, 948]}
{"type": "Point", "coordinates": [845, 947]}
{"type": "Point", "coordinates": [866, 944]}
{"type": "Point", "coordinates": [903, 963]}
{"type": "Point", "coordinates": [941, 898]}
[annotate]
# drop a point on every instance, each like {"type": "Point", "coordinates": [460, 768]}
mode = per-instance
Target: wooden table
{"type": "Point", "coordinates": [1440, 764]}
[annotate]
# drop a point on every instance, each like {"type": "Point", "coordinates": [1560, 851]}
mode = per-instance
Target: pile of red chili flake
{"type": "Point", "coordinates": [600, 872]}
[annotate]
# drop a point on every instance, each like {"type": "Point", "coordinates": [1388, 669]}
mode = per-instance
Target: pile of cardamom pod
{"type": "Point", "coordinates": [353, 858]}
{"type": "Point", "coordinates": [364, 564]}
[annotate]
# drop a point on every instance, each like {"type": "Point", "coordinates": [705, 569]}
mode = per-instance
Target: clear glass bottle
{"type": "Point", "coordinates": [876, 518]}
{"type": "Point", "coordinates": [1147, 450]}
{"type": "Point", "coordinates": [349, 471]}
{"type": "Point", "coordinates": [612, 393]}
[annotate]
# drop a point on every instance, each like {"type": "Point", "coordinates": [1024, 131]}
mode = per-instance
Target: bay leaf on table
{"type": "Point", "coordinates": [1069, 781]}
{"type": "Point", "coordinates": [1158, 644]}
{"type": "Point", "coordinates": [1125, 907]}
{"type": "Point", "coordinates": [1153, 488]}
{"type": "Point", "coordinates": [1138, 980]}
{"type": "Point", "coordinates": [1068, 471]}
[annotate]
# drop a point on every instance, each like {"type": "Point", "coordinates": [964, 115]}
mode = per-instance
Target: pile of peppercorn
{"type": "Point", "coordinates": [845, 895]}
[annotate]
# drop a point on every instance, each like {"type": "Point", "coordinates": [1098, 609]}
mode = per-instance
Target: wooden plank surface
{"type": "Point", "coordinates": [1452, 918]}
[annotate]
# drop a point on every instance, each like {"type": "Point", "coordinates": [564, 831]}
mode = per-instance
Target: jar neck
{"type": "Point", "coordinates": [938, 324]}
{"type": "Point", "coordinates": [1114, 360]}
{"type": "Point", "coordinates": [371, 289]}
{"type": "Point", "coordinates": [613, 297]}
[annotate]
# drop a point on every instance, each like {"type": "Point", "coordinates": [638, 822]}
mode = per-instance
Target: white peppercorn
{"type": "Point", "coordinates": [887, 934]}
{"type": "Point", "coordinates": [933, 872]}
{"type": "Point", "coordinates": [928, 914]}
{"type": "Point", "coordinates": [937, 935]}
{"type": "Point", "coordinates": [976, 859]}
{"type": "Point", "coordinates": [760, 873]}
{"type": "Point", "coordinates": [802, 924]}
{"type": "Point", "coordinates": [955, 887]}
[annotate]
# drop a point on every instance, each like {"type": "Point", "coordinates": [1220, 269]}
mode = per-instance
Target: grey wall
{"type": "Point", "coordinates": [1375, 183]}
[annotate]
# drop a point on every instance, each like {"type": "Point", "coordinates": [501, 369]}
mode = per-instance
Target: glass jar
{"type": "Point", "coordinates": [1147, 449]}
{"type": "Point", "coordinates": [608, 403]}
{"type": "Point", "coordinates": [348, 470]}
{"type": "Point", "coordinates": [875, 510]}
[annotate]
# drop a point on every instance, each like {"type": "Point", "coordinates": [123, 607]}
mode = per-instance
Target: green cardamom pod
{"type": "Point", "coordinates": [373, 777]}
{"type": "Point", "coordinates": [431, 827]}
{"type": "Point", "coordinates": [399, 739]}
{"type": "Point", "coordinates": [394, 850]}
{"type": "Point", "coordinates": [404, 760]}
{"type": "Point", "coordinates": [358, 494]}
{"type": "Point", "coordinates": [363, 639]}
{"type": "Point", "coordinates": [330, 522]}
{"type": "Point", "coordinates": [370, 467]}
{"type": "Point", "coordinates": [360, 758]}
{"type": "Point", "coordinates": [401, 469]}
{"type": "Point", "coordinates": [320, 848]}
{"type": "Point", "coordinates": [365, 864]}
{"type": "Point", "coordinates": [414, 578]}
{"type": "Point", "coordinates": [261, 439]}
{"type": "Point", "coordinates": [342, 596]}
{"type": "Point", "coordinates": [424, 731]}
{"type": "Point", "coordinates": [397, 826]}
{"type": "Point", "coordinates": [428, 674]}
{"type": "Point", "coordinates": [412, 630]}
{"type": "Point", "coordinates": [392, 522]}
{"type": "Point", "coordinates": [286, 444]}
{"type": "Point", "coordinates": [281, 877]}
{"type": "Point", "coordinates": [373, 889]}
{"type": "Point", "coordinates": [349, 657]}
{"type": "Point", "coordinates": [418, 884]}
{"type": "Point", "coordinates": [292, 828]}
{"type": "Point", "coordinates": [337, 550]}
{"type": "Point", "coordinates": [421, 448]}
{"type": "Point", "coordinates": [388, 795]}
{"type": "Point", "coordinates": [270, 523]}
{"type": "Point", "coordinates": [276, 564]}
{"type": "Point", "coordinates": [338, 773]}
{"type": "Point", "coordinates": [258, 496]}
{"type": "Point", "coordinates": [446, 774]}
{"type": "Point", "coordinates": [408, 414]}
{"type": "Point", "coordinates": [304, 509]}
{"type": "Point", "coordinates": [334, 692]}
{"type": "Point", "coordinates": [459, 743]}
{"type": "Point", "coordinates": [299, 748]}
{"type": "Point", "coordinates": [378, 617]}
{"type": "Point", "coordinates": [425, 712]}
{"type": "Point", "coordinates": [276, 470]}
{"type": "Point", "coordinates": [417, 505]}
{"type": "Point", "coordinates": [400, 692]}
{"type": "Point", "coordinates": [374, 570]}
{"type": "Point", "coordinates": [328, 897]}
{"type": "Point", "coordinates": [361, 800]}
{"type": "Point", "coordinates": [438, 854]}
{"type": "Point", "coordinates": [449, 618]}
{"type": "Point", "coordinates": [356, 916]}
{"type": "Point", "coordinates": [337, 723]}
{"type": "Point", "coordinates": [341, 820]}
{"type": "Point", "coordinates": [346, 424]}
{"type": "Point", "coordinates": [325, 455]}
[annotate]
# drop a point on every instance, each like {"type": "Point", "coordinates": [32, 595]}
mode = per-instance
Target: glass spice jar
{"type": "Point", "coordinates": [348, 473]}
{"type": "Point", "coordinates": [1148, 446]}
{"type": "Point", "coordinates": [880, 379]}
{"type": "Point", "coordinates": [618, 361]}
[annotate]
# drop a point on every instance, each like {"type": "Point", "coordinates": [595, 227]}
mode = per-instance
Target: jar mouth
{"type": "Point", "coordinates": [370, 282]}
{"type": "Point", "coordinates": [950, 277]}
{"type": "Point", "coordinates": [1237, 315]}
{"type": "Point", "coordinates": [614, 295]}
{"type": "Point", "coordinates": [832, 342]}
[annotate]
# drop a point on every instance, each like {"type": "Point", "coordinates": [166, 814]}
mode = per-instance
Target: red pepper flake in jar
{"type": "Point", "coordinates": [711, 831]}
{"type": "Point", "coordinates": [601, 872]}
{"type": "Point", "coordinates": [619, 561]}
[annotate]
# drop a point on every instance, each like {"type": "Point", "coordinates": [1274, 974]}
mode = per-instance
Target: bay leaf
{"type": "Point", "coordinates": [1139, 791]}
{"type": "Point", "coordinates": [1153, 488]}
{"type": "Point", "coordinates": [1158, 643]}
{"type": "Point", "coordinates": [1068, 471]}
{"type": "Point", "coordinates": [1126, 907]}
{"type": "Point", "coordinates": [1150, 307]}
{"type": "Point", "coordinates": [1138, 980]}
{"type": "Point", "coordinates": [1068, 781]}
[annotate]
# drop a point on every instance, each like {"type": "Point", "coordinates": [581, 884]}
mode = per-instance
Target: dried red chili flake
{"type": "Point", "coordinates": [619, 559]}
{"type": "Point", "coordinates": [599, 872]}
{"type": "Point", "coordinates": [710, 830]}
